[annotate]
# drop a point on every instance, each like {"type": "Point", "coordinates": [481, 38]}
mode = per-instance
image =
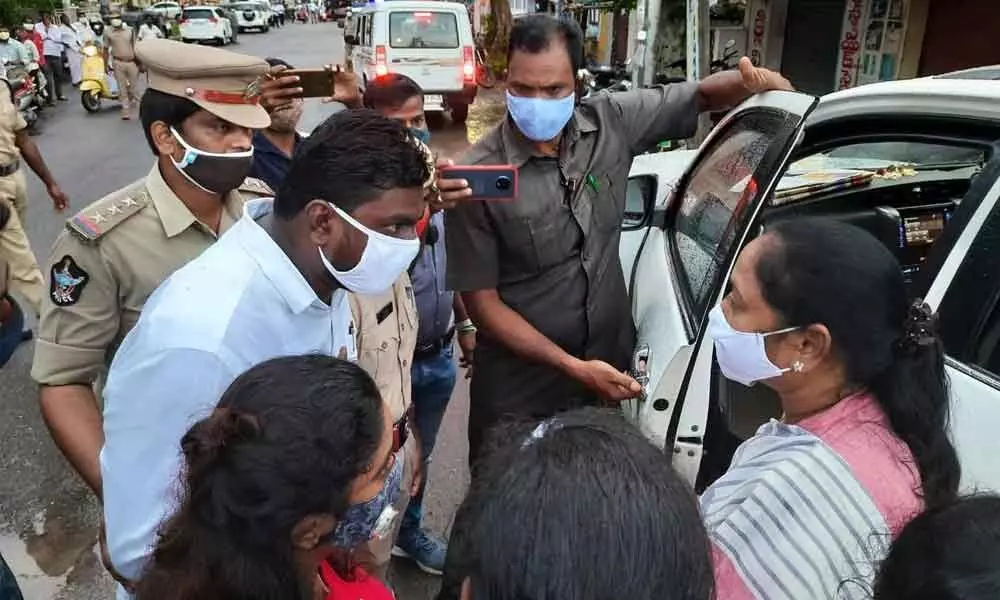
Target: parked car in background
{"type": "Point", "coordinates": [252, 15]}
{"type": "Point", "coordinates": [427, 40]}
{"type": "Point", "coordinates": [205, 24]}
{"type": "Point", "coordinates": [169, 10]}
{"type": "Point", "coordinates": [914, 162]}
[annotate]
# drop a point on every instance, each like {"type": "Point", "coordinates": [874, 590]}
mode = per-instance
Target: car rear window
{"type": "Point", "coordinates": [198, 13]}
{"type": "Point", "coordinates": [245, 6]}
{"type": "Point", "coordinates": [423, 29]}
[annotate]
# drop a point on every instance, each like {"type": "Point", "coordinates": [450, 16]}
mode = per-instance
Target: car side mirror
{"type": "Point", "coordinates": [640, 200]}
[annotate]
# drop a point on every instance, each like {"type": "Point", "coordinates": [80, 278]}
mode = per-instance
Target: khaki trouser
{"type": "Point", "coordinates": [381, 548]}
{"type": "Point", "coordinates": [25, 279]}
{"type": "Point", "coordinates": [127, 76]}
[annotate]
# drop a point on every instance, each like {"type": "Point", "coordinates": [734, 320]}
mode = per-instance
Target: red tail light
{"type": "Point", "coordinates": [213, 20]}
{"type": "Point", "coordinates": [381, 68]}
{"type": "Point", "coordinates": [469, 64]}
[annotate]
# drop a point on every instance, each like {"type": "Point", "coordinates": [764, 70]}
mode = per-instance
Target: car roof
{"type": "Point", "coordinates": [936, 96]}
{"type": "Point", "coordinates": [990, 72]}
{"type": "Point", "coordinates": [431, 5]}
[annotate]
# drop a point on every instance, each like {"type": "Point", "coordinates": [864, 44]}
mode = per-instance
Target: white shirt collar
{"type": "Point", "coordinates": [274, 263]}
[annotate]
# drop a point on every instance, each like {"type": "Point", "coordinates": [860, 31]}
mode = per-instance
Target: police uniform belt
{"type": "Point", "coordinates": [431, 350]}
{"type": "Point", "coordinates": [10, 169]}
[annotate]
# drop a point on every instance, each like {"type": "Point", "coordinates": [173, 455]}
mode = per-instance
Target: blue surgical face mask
{"type": "Point", "coordinates": [541, 119]}
{"type": "Point", "coordinates": [371, 519]}
{"type": "Point", "coordinates": [421, 133]}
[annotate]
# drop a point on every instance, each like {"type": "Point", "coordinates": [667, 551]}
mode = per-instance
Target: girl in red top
{"type": "Point", "coordinates": [294, 466]}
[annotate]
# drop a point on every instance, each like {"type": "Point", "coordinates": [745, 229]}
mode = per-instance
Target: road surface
{"type": "Point", "coordinates": [48, 520]}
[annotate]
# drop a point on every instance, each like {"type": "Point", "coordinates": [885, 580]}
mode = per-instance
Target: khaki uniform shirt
{"type": "Point", "coordinates": [11, 122]}
{"type": "Point", "coordinates": [104, 266]}
{"type": "Point", "coordinates": [386, 339]}
{"type": "Point", "coordinates": [553, 254]}
{"type": "Point", "coordinates": [120, 43]}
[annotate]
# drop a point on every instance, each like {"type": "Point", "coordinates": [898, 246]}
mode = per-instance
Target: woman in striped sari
{"type": "Point", "coordinates": [818, 312]}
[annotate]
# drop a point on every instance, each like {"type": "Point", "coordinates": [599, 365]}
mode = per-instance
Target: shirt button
{"type": "Point", "coordinates": [385, 345]}
{"type": "Point", "coordinates": [404, 362]}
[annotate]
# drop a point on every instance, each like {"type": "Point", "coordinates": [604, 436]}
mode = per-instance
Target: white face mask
{"type": "Point", "coordinates": [383, 260]}
{"type": "Point", "coordinates": [741, 355]}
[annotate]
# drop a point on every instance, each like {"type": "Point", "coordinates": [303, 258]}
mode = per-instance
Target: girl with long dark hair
{"type": "Point", "coordinates": [294, 464]}
{"type": "Point", "coordinates": [818, 313]}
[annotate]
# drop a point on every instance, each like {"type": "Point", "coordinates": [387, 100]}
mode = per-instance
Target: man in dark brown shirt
{"type": "Point", "coordinates": [540, 275]}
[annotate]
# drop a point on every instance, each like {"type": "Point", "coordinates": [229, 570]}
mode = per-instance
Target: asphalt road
{"type": "Point", "coordinates": [48, 520]}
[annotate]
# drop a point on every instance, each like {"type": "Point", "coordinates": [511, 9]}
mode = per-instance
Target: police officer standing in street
{"type": "Point", "coordinates": [198, 116]}
{"type": "Point", "coordinates": [25, 279]}
{"type": "Point", "coordinates": [119, 44]}
{"type": "Point", "coordinates": [441, 316]}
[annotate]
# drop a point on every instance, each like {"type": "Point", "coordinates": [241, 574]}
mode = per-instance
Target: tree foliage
{"type": "Point", "coordinates": [13, 12]}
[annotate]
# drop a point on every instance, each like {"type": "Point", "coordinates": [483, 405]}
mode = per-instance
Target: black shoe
{"type": "Point", "coordinates": [27, 335]}
{"type": "Point", "coordinates": [62, 98]}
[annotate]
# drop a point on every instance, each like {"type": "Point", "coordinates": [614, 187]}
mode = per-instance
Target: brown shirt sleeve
{"type": "Point", "coordinates": [652, 115]}
{"type": "Point", "coordinates": [79, 322]}
{"type": "Point", "coordinates": [471, 241]}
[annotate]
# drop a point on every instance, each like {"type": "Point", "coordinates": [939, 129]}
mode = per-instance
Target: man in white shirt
{"type": "Point", "coordinates": [149, 29]}
{"type": "Point", "coordinates": [52, 48]}
{"type": "Point", "coordinates": [275, 284]}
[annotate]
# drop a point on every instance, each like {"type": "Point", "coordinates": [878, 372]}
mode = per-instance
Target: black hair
{"type": "Point", "coordinates": [391, 91]}
{"type": "Point", "coordinates": [951, 552]}
{"type": "Point", "coordinates": [551, 507]}
{"type": "Point", "coordinates": [285, 442]}
{"type": "Point", "coordinates": [278, 62]}
{"type": "Point", "coordinates": [827, 272]}
{"type": "Point", "coordinates": [159, 106]}
{"type": "Point", "coordinates": [534, 33]}
{"type": "Point", "coordinates": [351, 158]}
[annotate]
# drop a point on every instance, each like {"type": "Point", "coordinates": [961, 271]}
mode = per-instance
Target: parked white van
{"type": "Point", "coordinates": [426, 40]}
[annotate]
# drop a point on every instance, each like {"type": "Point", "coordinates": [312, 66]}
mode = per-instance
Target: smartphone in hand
{"type": "Point", "coordinates": [315, 83]}
{"type": "Point", "coordinates": [487, 182]}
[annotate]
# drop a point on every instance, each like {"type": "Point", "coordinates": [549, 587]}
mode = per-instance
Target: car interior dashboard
{"type": "Point", "coordinates": [907, 214]}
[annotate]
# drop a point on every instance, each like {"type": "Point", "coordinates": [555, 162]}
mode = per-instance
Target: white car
{"type": "Point", "coordinates": [169, 10]}
{"type": "Point", "coordinates": [252, 15]}
{"type": "Point", "coordinates": [780, 156]}
{"type": "Point", "coordinates": [205, 24]}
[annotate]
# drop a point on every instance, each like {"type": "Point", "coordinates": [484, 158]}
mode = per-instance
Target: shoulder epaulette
{"type": "Point", "coordinates": [252, 185]}
{"type": "Point", "coordinates": [107, 213]}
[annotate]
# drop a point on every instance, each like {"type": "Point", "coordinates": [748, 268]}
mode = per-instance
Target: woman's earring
{"type": "Point", "coordinates": [797, 366]}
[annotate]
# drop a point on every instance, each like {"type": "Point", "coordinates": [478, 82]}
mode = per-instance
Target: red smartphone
{"type": "Point", "coordinates": [315, 83]}
{"type": "Point", "coordinates": [488, 182]}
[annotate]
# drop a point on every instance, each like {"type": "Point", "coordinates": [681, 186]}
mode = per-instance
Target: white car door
{"type": "Point", "coordinates": [966, 295]}
{"type": "Point", "coordinates": [687, 255]}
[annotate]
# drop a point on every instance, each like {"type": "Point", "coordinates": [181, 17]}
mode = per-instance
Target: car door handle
{"type": "Point", "coordinates": [640, 366]}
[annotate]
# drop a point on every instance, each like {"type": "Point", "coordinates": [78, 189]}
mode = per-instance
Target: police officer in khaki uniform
{"type": "Point", "coordinates": [24, 277]}
{"type": "Point", "coordinates": [119, 44]}
{"type": "Point", "coordinates": [386, 339]}
{"type": "Point", "coordinates": [198, 115]}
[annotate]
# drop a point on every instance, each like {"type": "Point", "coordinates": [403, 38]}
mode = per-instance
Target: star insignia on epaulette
{"type": "Point", "coordinates": [98, 218]}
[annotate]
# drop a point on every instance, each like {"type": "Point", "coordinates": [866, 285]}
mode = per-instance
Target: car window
{"type": "Point", "coordinates": [878, 155]}
{"type": "Point", "coordinates": [969, 313]}
{"type": "Point", "coordinates": [713, 209]}
{"type": "Point", "coordinates": [198, 13]}
{"type": "Point", "coordinates": [427, 29]}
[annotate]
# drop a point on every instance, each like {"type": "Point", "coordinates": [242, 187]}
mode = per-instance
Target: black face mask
{"type": "Point", "coordinates": [98, 29]}
{"type": "Point", "coordinates": [212, 172]}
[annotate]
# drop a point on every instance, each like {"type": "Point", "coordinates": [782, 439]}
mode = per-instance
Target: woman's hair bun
{"type": "Point", "coordinates": [205, 441]}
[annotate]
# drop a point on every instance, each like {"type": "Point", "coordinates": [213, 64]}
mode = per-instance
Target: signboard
{"type": "Point", "coordinates": [757, 17]}
{"type": "Point", "coordinates": [850, 44]}
{"type": "Point", "coordinates": [871, 42]}
{"type": "Point", "coordinates": [693, 40]}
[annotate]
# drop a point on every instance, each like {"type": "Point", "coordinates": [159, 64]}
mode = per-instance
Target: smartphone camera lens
{"type": "Point", "coordinates": [504, 183]}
